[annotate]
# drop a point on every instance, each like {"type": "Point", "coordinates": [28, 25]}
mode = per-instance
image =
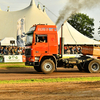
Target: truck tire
{"type": "Point", "coordinates": [80, 68]}
{"type": "Point", "coordinates": [38, 68]}
{"type": "Point", "coordinates": [94, 66]}
{"type": "Point", "coordinates": [83, 67]}
{"type": "Point", "coordinates": [47, 66]}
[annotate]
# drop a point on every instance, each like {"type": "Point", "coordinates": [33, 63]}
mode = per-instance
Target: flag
{"type": "Point", "coordinates": [21, 32]}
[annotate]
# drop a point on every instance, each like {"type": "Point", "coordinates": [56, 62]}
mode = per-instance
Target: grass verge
{"type": "Point", "coordinates": [50, 80]}
{"type": "Point", "coordinates": [13, 65]}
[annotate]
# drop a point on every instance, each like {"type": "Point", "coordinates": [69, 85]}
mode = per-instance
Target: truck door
{"type": "Point", "coordinates": [41, 44]}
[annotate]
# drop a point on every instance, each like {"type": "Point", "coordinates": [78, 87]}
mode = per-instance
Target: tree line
{"type": "Point", "coordinates": [83, 23]}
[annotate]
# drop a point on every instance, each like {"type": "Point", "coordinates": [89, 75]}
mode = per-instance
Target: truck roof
{"type": "Point", "coordinates": [44, 28]}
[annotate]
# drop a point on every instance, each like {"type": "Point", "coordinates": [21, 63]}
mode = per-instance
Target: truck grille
{"type": "Point", "coordinates": [27, 52]}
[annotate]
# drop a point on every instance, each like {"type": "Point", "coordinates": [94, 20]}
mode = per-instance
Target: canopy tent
{"type": "Point", "coordinates": [8, 41]}
{"type": "Point", "coordinates": [32, 14]}
{"type": "Point", "coordinates": [73, 37]}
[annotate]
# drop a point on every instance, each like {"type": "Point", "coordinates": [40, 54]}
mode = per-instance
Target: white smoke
{"type": "Point", "coordinates": [74, 6]}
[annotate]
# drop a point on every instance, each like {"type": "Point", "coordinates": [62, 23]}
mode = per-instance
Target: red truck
{"type": "Point", "coordinates": [41, 51]}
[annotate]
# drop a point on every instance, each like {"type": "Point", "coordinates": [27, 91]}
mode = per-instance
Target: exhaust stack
{"type": "Point", "coordinates": [62, 41]}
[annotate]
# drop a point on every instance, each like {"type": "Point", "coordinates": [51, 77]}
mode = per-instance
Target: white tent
{"type": "Point", "coordinates": [73, 37]}
{"type": "Point", "coordinates": [7, 41]}
{"type": "Point", "coordinates": [32, 14]}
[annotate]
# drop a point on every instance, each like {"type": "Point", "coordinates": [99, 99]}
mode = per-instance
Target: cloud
{"type": "Point", "coordinates": [14, 4]}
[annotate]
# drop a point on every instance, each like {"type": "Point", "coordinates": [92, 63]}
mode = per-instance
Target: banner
{"type": "Point", "coordinates": [13, 58]}
{"type": "Point", "coordinates": [1, 59]}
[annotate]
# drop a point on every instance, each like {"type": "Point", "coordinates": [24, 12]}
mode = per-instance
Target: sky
{"type": "Point", "coordinates": [54, 6]}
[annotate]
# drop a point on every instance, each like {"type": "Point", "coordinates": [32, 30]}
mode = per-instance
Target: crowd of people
{"type": "Point", "coordinates": [72, 49]}
{"type": "Point", "coordinates": [12, 50]}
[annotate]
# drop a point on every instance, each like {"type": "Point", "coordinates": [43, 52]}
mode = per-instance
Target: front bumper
{"type": "Point", "coordinates": [32, 63]}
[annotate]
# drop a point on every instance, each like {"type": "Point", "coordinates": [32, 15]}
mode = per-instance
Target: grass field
{"type": "Point", "coordinates": [50, 80]}
{"type": "Point", "coordinates": [13, 65]}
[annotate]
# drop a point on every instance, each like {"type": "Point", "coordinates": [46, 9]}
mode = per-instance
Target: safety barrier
{"type": "Point", "coordinates": [12, 58]}
{"type": "Point", "coordinates": [1, 59]}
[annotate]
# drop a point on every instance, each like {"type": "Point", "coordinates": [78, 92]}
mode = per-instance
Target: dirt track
{"type": "Point", "coordinates": [47, 91]}
{"type": "Point", "coordinates": [51, 91]}
{"type": "Point", "coordinates": [29, 73]}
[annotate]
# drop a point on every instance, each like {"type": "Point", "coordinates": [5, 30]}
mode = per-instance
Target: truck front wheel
{"type": "Point", "coordinates": [94, 66]}
{"type": "Point", "coordinates": [47, 66]}
{"type": "Point", "coordinates": [37, 68]}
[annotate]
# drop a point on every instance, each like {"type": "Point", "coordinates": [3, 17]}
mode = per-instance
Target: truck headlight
{"type": "Point", "coordinates": [37, 59]}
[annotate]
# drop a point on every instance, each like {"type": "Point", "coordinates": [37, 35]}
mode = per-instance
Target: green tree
{"type": "Point", "coordinates": [99, 29]}
{"type": "Point", "coordinates": [82, 23]}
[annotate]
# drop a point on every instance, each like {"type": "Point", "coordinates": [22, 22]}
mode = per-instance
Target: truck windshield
{"type": "Point", "coordinates": [29, 39]}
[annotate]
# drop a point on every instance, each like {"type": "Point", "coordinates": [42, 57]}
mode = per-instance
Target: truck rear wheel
{"type": "Point", "coordinates": [37, 68]}
{"type": "Point", "coordinates": [94, 66]}
{"type": "Point", "coordinates": [83, 66]}
{"type": "Point", "coordinates": [47, 66]}
{"type": "Point", "coordinates": [80, 68]}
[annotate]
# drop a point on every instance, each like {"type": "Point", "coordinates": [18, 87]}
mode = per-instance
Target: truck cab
{"type": "Point", "coordinates": [41, 45]}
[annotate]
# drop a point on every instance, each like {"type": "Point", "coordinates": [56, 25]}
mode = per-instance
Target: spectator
{"type": "Point", "coordinates": [70, 47]}
{"type": "Point", "coordinates": [5, 51]}
{"type": "Point", "coordinates": [65, 49]}
{"type": "Point", "coordinates": [9, 51]}
{"type": "Point", "coordinates": [68, 51]}
{"type": "Point", "coordinates": [2, 53]}
{"type": "Point", "coordinates": [0, 50]}
{"type": "Point", "coordinates": [16, 51]}
{"type": "Point", "coordinates": [13, 50]}
{"type": "Point", "coordinates": [75, 50]}
{"type": "Point", "coordinates": [19, 51]}
{"type": "Point", "coordinates": [79, 50]}
{"type": "Point", "coordinates": [23, 51]}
